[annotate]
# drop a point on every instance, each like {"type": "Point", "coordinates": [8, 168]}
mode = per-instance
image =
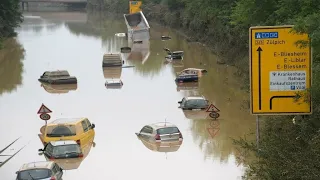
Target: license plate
{"type": "Point", "coordinates": [196, 109]}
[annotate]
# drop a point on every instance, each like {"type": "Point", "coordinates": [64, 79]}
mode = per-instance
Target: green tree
{"type": "Point", "coordinates": [10, 18]}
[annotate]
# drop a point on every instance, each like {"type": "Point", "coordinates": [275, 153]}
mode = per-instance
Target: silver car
{"type": "Point", "coordinates": [159, 132]}
{"type": "Point", "coordinates": [45, 170]}
{"type": "Point", "coordinates": [194, 103]}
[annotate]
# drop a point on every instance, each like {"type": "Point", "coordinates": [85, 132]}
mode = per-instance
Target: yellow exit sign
{"type": "Point", "coordinates": [135, 6]}
{"type": "Point", "coordinates": [279, 71]}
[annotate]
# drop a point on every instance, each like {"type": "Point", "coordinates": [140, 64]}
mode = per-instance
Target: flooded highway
{"type": "Point", "coordinates": [76, 42]}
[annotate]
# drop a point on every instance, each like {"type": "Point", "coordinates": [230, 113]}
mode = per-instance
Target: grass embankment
{"type": "Point", "coordinates": [288, 151]}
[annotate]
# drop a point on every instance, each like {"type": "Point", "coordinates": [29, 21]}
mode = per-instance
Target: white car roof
{"type": "Point", "coordinates": [36, 165]}
{"type": "Point", "coordinates": [162, 125]}
{"type": "Point", "coordinates": [195, 97]}
{"type": "Point", "coordinates": [60, 143]}
{"type": "Point", "coordinates": [113, 81]}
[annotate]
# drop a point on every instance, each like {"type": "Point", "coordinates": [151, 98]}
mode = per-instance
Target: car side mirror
{"type": "Point", "coordinates": [207, 101]}
{"type": "Point", "coordinates": [40, 154]}
{"type": "Point", "coordinates": [93, 126]}
{"type": "Point", "coordinates": [179, 102]}
{"type": "Point", "coordinates": [41, 150]}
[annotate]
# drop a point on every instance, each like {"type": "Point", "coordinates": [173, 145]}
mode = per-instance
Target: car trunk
{"type": "Point", "coordinates": [169, 133]}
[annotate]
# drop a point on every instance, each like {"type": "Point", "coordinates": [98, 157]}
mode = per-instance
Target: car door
{"type": "Point", "coordinates": [85, 133]}
{"type": "Point", "coordinates": [48, 150]}
{"type": "Point", "coordinates": [146, 132]}
{"type": "Point", "coordinates": [91, 132]}
{"type": "Point", "coordinates": [57, 171]}
{"type": "Point", "coordinates": [183, 102]}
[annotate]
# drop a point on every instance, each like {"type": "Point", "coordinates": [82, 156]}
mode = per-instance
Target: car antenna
{"type": "Point", "coordinates": [165, 121]}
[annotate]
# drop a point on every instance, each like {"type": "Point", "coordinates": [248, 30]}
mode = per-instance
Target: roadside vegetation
{"type": "Point", "coordinates": [287, 150]}
{"type": "Point", "coordinates": [10, 18]}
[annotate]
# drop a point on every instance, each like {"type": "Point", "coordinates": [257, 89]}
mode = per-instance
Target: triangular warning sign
{"type": "Point", "coordinates": [213, 131]}
{"type": "Point", "coordinates": [44, 110]}
{"type": "Point", "coordinates": [212, 108]}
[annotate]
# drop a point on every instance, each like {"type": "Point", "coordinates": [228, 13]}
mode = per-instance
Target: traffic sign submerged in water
{"type": "Point", "coordinates": [44, 110]}
{"type": "Point", "coordinates": [212, 108]}
{"type": "Point", "coordinates": [279, 70]}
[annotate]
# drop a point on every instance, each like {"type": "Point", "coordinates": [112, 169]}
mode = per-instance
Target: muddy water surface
{"type": "Point", "coordinates": [76, 42]}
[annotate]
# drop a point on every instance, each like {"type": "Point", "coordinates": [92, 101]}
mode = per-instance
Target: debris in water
{"type": "Point", "coordinates": [165, 38]}
{"type": "Point", "coordinates": [128, 66]}
{"type": "Point", "coordinates": [120, 34]}
{"type": "Point", "coordinates": [125, 50]}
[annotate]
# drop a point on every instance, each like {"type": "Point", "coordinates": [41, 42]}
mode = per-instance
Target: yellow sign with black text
{"type": "Point", "coordinates": [280, 71]}
{"type": "Point", "coordinates": [134, 6]}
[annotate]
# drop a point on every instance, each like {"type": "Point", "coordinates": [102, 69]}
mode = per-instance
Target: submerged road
{"type": "Point", "coordinates": [149, 95]}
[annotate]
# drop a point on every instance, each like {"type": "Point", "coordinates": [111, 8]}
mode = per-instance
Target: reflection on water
{"type": "Point", "coordinates": [59, 88]}
{"type": "Point", "coordinates": [196, 115]}
{"type": "Point", "coordinates": [112, 72]}
{"type": "Point", "coordinates": [187, 86]}
{"type": "Point", "coordinates": [139, 51]}
{"type": "Point", "coordinates": [11, 66]}
{"type": "Point", "coordinates": [170, 146]}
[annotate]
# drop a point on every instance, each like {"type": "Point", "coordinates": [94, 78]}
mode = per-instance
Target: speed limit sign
{"type": "Point", "coordinates": [45, 117]}
{"type": "Point", "coordinates": [214, 115]}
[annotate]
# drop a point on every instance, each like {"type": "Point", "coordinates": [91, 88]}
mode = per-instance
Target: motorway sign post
{"type": "Point", "coordinates": [44, 115]}
{"type": "Point", "coordinates": [280, 70]}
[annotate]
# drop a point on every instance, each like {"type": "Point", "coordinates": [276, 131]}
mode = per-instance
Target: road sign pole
{"type": "Point", "coordinates": [258, 130]}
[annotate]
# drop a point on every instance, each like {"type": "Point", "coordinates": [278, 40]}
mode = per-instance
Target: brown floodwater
{"type": "Point", "coordinates": [76, 42]}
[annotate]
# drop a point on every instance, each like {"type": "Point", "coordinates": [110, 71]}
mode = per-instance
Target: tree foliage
{"type": "Point", "coordinates": [10, 18]}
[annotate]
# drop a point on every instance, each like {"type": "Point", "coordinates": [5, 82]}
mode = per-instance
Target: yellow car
{"type": "Point", "coordinates": [77, 129]}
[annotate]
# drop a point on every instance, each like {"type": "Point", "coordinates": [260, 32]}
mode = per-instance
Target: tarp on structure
{"type": "Point", "coordinates": [138, 26]}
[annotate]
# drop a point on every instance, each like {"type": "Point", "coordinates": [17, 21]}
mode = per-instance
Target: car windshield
{"type": "Point", "coordinates": [196, 103]}
{"type": "Point", "coordinates": [61, 130]}
{"type": "Point", "coordinates": [34, 174]}
{"type": "Point", "coordinates": [66, 149]}
{"type": "Point", "coordinates": [168, 130]}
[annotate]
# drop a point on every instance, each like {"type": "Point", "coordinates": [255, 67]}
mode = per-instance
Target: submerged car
{"type": "Point", "coordinates": [187, 78]}
{"type": "Point", "coordinates": [112, 60]}
{"type": "Point", "coordinates": [197, 71]}
{"type": "Point", "coordinates": [57, 77]}
{"type": "Point", "coordinates": [114, 84]}
{"type": "Point", "coordinates": [174, 54]}
{"type": "Point", "coordinates": [163, 38]}
{"type": "Point", "coordinates": [194, 103]}
{"type": "Point", "coordinates": [45, 170]}
{"type": "Point", "coordinates": [162, 131]}
{"type": "Point", "coordinates": [67, 154]}
{"type": "Point", "coordinates": [78, 129]}
{"type": "Point", "coordinates": [62, 149]}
